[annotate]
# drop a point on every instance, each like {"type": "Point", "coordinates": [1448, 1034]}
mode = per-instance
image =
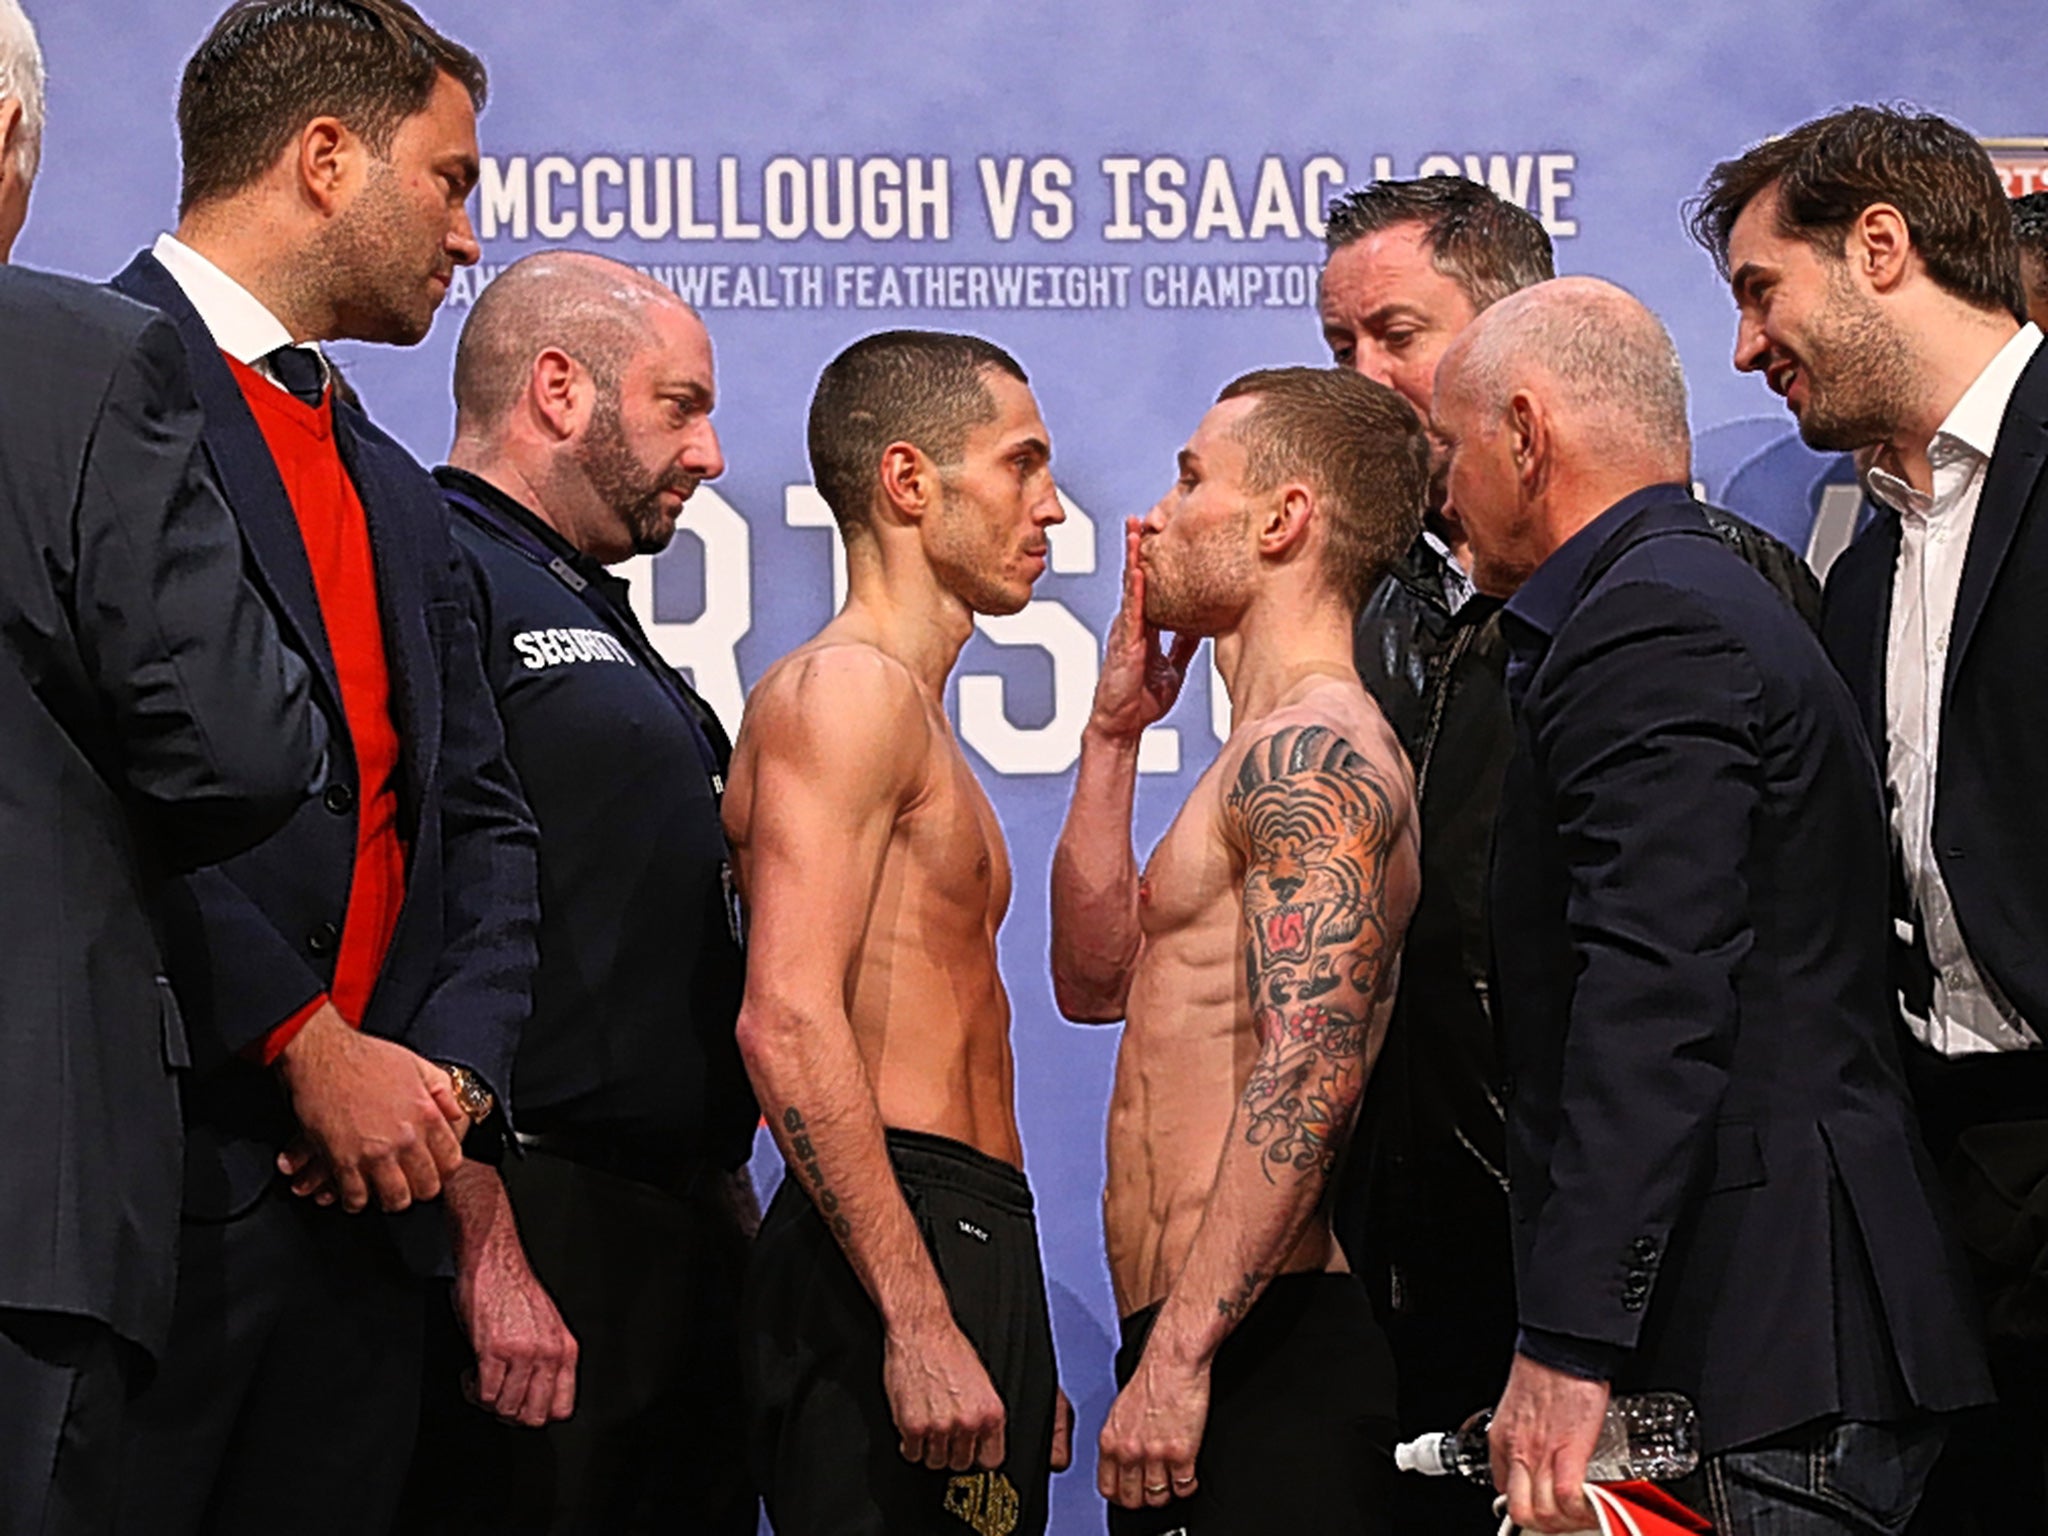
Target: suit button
{"type": "Point", "coordinates": [323, 939]}
{"type": "Point", "coordinates": [1644, 1248]}
{"type": "Point", "coordinates": [1633, 1302]}
{"type": "Point", "coordinates": [339, 799]}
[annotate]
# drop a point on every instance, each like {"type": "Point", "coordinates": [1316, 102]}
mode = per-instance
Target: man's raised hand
{"type": "Point", "coordinates": [1140, 678]}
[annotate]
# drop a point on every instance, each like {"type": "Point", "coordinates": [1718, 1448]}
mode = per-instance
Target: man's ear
{"type": "Point", "coordinates": [328, 160]}
{"type": "Point", "coordinates": [909, 481]}
{"type": "Point", "coordinates": [1879, 247]}
{"type": "Point", "coordinates": [12, 121]}
{"type": "Point", "coordinates": [560, 393]}
{"type": "Point", "coordinates": [1528, 428]}
{"type": "Point", "coordinates": [1283, 528]}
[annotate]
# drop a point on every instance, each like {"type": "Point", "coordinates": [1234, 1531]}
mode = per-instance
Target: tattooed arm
{"type": "Point", "coordinates": [1330, 878]}
{"type": "Point", "coordinates": [832, 750]}
{"type": "Point", "coordinates": [1095, 933]}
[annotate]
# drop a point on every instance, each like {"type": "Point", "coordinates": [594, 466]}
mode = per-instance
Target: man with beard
{"type": "Point", "coordinates": [353, 984]}
{"type": "Point", "coordinates": [1877, 285]}
{"type": "Point", "coordinates": [899, 1350]}
{"type": "Point", "coordinates": [1421, 1204]}
{"type": "Point", "coordinates": [583, 397]}
{"type": "Point", "coordinates": [1253, 962]}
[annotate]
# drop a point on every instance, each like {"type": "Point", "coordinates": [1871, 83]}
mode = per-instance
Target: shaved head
{"type": "Point", "coordinates": [1601, 362]}
{"type": "Point", "coordinates": [594, 309]}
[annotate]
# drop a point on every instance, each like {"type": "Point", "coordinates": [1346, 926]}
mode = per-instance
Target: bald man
{"type": "Point", "coordinates": [1717, 1186]}
{"type": "Point", "coordinates": [583, 396]}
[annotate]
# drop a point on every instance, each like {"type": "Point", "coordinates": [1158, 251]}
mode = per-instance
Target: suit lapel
{"type": "Point", "coordinates": [401, 593]}
{"type": "Point", "coordinates": [242, 463]}
{"type": "Point", "coordinates": [2008, 486]}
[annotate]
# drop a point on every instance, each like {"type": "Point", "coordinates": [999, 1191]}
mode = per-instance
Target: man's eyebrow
{"type": "Point", "coordinates": [1189, 461]}
{"type": "Point", "coordinates": [1744, 278]}
{"type": "Point", "coordinates": [1396, 308]}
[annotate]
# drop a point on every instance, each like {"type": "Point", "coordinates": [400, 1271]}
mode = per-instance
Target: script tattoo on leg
{"type": "Point", "coordinates": [1317, 822]}
{"type": "Point", "coordinates": [805, 1157]}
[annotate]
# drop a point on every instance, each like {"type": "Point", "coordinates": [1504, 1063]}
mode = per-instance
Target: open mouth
{"type": "Point", "coordinates": [1287, 932]}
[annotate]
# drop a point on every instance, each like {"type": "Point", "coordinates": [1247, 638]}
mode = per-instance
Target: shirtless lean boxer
{"type": "Point", "coordinates": [1253, 962]}
{"type": "Point", "coordinates": [899, 1347]}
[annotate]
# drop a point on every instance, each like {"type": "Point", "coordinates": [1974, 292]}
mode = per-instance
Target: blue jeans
{"type": "Point", "coordinates": [1844, 1479]}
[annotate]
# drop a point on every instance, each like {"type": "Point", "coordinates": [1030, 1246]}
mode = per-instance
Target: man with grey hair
{"type": "Point", "coordinates": [583, 395]}
{"type": "Point", "coordinates": [21, 118]}
{"type": "Point", "coordinates": [1421, 1204]}
{"type": "Point", "coordinates": [1716, 1182]}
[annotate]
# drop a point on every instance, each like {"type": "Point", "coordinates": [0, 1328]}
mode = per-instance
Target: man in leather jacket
{"type": "Point", "coordinates": [1421, 1206]}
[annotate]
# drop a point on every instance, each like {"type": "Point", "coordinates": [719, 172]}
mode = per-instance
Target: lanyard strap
{"type": "Point", "coordinates": [621, 624]}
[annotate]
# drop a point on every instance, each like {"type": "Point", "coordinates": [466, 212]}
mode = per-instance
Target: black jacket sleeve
{"type": "Point", "coordinates": [1646, 722]}
{"type": "Point", "coordinates": [218, 738]}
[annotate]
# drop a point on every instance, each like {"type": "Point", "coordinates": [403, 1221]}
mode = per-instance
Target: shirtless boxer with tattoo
{"type": "Point", "coordinates": [1253, 963]}
{"type": "Point", "coordinates": [899, 1347]}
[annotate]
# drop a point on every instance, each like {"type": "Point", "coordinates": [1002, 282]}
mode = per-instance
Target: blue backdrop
{"type": "Point", "coordinates": [1125, 196]}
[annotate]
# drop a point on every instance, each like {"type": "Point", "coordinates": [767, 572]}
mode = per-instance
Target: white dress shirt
{"type": "Point", "coordinates": [1968, 1012]}
{"type": "Point", "coordinates": [242, 327]}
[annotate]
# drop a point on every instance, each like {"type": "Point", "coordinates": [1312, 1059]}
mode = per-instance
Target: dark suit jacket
{"type": "Point", "coordinates": [254, 939]}
{"type": "Point", "coordinates": [1716, 1178]}
{"type": "Point", "coordinates": [1992, 777]}
{"type": "Point", "coordinates": [152, 720]}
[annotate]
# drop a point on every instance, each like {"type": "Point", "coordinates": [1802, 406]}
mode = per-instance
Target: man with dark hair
{"type": "Point", "coordinates": [2030, 228]}
{"type": "Point", "coordinates": [898, 1346]}
{"type": "Point", "coordinates": [583, 397]}
{"type": "Point", "coordinates": [1877, 288]}
{"type": "Point", "coordinates": [354, 984]}
{"type": "Point", "coordinates": [1253, 963]}
{"type": "Point", "coordinates": [1422, 1202]}
{"type": "Point", "coordinates": [1717, 1189]}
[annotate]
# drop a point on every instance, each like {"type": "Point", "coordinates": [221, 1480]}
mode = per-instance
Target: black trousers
{"type": "Point", "coordinates": [648, 1280]}
{"type": "Point", "coordinates": [1301, 1420]}
{"type": "Point", "coordinates": [826, 1448]}
{"type": "Point", "coordinates": [287, 1397]}
{"type": "Point", "coordinates": [64, 1385]}
{"type": "Point", "coordinates": [1992, 1479]}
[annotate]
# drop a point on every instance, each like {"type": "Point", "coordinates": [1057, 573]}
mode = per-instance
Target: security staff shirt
{"type": "Point", "coordinates": [641, 966]}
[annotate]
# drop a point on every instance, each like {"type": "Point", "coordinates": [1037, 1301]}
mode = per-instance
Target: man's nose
{"type": "Point", "coordinates": [462, 241]}
{"type": "Point", "coordinates": [703, 456]}
{"type": "Point", "coordinates": [1050, 509]}
{"type": "Point", "coordinates": [1751, 347]}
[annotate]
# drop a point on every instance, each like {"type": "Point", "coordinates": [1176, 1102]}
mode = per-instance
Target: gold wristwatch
{"type": "Point", "coordinates": [470, 1093]}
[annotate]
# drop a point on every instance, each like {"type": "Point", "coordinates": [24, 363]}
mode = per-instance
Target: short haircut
{"type": "Point", "coordinates": [1609, 359]}
{"type": "Point", "coordinates": [925, 388]}
{"type": "Point", "coordinates": [21, 79]}
{"type": "Point", "coordinates": [1480, 241]}
{"type": "Point", "coordinates": [1357, 444]}
{"type": "Point", "coordinates": [593, 308]}
{"type": "Point", "coordinates": [1826, 172]}
{"type": "Point", "coordinates": [269, 67]}
{"type": "Point", "coordinates": [2030, 228]}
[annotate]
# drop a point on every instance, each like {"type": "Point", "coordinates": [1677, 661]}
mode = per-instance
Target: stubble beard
{"type": "Point", "coordinates": [1859, 374]}
{"type": "Point", "coordinates": [382, 295]}
{"type": "Point", "coordinates": [1199, 590]}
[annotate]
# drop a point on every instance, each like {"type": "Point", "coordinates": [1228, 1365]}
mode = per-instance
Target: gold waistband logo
{"type": "Point", "coordinates": [986, 1501]}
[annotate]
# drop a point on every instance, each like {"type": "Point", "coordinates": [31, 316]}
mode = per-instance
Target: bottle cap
{"type": "Point", "coordinates": [1424, 1454]}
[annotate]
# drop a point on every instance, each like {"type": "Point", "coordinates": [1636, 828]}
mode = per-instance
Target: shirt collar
{"type": "Point", "coordinates": [520, 516]}
{"type": "Point", "coordinates": [1970, 428]}
{"type": "Point", "coordinates": [241, 326]}
{"type": "Point", "coordinates": [1546, 599]}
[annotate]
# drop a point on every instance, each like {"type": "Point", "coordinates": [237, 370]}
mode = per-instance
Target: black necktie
{"type": "Point", "coordinates": [298, 370]}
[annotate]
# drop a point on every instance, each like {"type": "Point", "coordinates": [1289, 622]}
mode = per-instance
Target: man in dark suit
{"type": "Point", "coordinates": [1877, 277]}
{"type": "Point", "coordinates": [153, 723]}
{"type": "Point", "coordinates": [1421, 1202]}
{"type": "Point", "coordinates": [1716, 1187]}
{"type": "Point", "coordinates": [355, 984]}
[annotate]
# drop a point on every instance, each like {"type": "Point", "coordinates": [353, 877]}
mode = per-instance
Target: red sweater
{"type": "Point", "coordinates": [337, 540]}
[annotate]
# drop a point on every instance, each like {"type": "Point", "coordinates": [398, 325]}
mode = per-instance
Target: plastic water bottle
{"type": "Point", "coordinates": [1652, 1436]}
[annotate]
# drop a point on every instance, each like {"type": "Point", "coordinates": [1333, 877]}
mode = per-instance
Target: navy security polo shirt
{"type": "Point", "coordinates": [640, 973]}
